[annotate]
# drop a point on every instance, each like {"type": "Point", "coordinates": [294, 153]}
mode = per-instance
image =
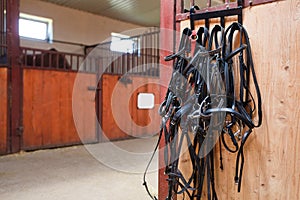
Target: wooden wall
{"type": "Point", "coordinates": [47, 110]}
{"type": "Point", "coordinates": [272, 153]}
{"type": "Point", "coordinates": [49, 119]}
{"type": "Point", "coordinates": [272, 159]}
{"type": "Point", "coordinates": [120, 116]}
{"type": "Point", "coordinates": [3, 110]}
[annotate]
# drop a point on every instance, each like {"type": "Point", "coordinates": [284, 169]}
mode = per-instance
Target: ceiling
{"type": "Point", "coordinates": [140, 12]}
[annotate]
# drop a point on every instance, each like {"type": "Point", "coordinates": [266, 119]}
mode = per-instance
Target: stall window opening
{"type": "Point", "coordinates": [123, 43]}
{"type": "Point", "coordinates": [34, 27]}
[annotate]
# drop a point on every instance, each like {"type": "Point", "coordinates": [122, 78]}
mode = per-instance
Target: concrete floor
{"type": "Point", "coordinates": [100, 171]}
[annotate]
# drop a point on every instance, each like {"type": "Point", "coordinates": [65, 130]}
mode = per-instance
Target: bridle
{"type": "Point", "coordinates": [206, 99]}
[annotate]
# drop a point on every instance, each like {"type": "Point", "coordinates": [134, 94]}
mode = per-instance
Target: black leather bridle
{"type": "Point", "coordinates": [206, 99]}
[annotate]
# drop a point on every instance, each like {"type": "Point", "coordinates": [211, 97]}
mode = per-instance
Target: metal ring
{"type": "Point", "coordinates": [194, 37]}
{"type": "Point", "coordinates": [162, 109]}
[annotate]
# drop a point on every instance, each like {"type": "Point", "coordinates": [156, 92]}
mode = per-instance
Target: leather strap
{"type": "Point", "coordinates": [195, 95]}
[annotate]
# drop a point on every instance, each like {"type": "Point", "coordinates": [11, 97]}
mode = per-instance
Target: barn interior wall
{"type": "Point", "coordinates": [272, 157]}
{"type": "Point", "coordinates": [72, 25]}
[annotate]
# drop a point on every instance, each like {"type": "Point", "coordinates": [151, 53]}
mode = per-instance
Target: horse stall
{"type": "Point", "coordinates": [47, 99]}
{"type": "Point", "coordinates": [271, 153]}
{"type": "Point", "coordinates": [4, 83]}
{"type": "Point", "coordinates": [37, 86]}
{"type": "Point", "coordinates": [48, 81]}
{"type": "Point", "coordinates": [125, 77]}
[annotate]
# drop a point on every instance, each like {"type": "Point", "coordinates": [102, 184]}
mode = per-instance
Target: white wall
{"type": "Point", "coordinates": [72, 25]}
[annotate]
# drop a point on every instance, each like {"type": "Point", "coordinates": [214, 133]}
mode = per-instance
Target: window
{"type": "Point", "coordinates": [123, 43]}
{"type": "Point", "coordinates": [35, 27]}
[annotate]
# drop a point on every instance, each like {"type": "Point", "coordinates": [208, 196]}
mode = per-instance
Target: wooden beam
{"type": "Point", "coordinates": [14, 78]}
{"type": "Point", "coordinates": [167, 40]}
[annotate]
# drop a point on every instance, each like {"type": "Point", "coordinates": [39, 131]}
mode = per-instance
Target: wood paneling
{"type": "Point", "coordinates": [272, 157]}
{"type": "Point", "coordinates": [83, 106]}
{"type": "Point", "coordinates": [15, 74]}
{"type": "Point", "coordinates": [47, 107]}
{"type": "Point", "coordinates": [110, 130]}
{"type": "Point", "coordinates": [145, 121]}
{"type": "Point", "coordinates": [120, 116]}
{"type": "Point", "coordinates": [167, 46]}
{"type": "Point", "coordinates": [272, 154]}
{"type": "Point", "coordinates": [3, 110]}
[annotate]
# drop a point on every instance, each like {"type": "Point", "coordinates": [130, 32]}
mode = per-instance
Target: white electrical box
{"type": "Point", "coordinates": [145, 101]}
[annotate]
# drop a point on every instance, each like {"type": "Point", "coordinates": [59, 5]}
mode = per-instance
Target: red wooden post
{"type": "Point", "coordinates": [14, 77]}
{"type": "Point", "coordinates": [167, 45]}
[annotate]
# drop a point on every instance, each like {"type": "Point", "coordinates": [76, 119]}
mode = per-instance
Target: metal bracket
{"type": "Point", "coordinates": [194, 16]}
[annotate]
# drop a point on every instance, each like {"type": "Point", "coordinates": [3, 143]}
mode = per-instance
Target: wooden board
{"type": "Point", "coordinates": [120, 116]}
{"type": "Point", "coordinates": [47, 107]}
{"type": "Point", "coordinates": [272, 157]}
{"type": "Point", "coordinates": [110, 130]}
{"type": "Point", "coordinates": [3, 110]}
{"type": "Point", "coordinates": [166, 44]}
{"type": "Point", "coordinates": [145, 122]}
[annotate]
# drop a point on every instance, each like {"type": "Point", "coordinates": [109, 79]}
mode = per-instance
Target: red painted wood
{"type": "Point", "coordinates": [145, 121]}
{"type": "Point", "coordinates": [48, 114]}
{"type": "Point", "coordinates": [110, 129]}
{"type": "Point", "coordinates": [14, 76]}
{"type": "Point", "coordinates": [167, 15]}
{"type": "Point", "coordinates": [3, 110]}
{"type": "Point", "coordinates": [121, 118]}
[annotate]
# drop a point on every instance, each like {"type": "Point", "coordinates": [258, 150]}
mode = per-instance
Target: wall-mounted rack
{"type": "Point", "coordinates": [195, 16]}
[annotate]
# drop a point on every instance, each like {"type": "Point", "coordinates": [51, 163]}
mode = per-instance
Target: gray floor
{"type": "Point", "coordinates": [99, 171]}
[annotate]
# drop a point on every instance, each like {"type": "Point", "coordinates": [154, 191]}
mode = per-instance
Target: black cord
{"type": "Point", "coordinates": [148, 165]}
